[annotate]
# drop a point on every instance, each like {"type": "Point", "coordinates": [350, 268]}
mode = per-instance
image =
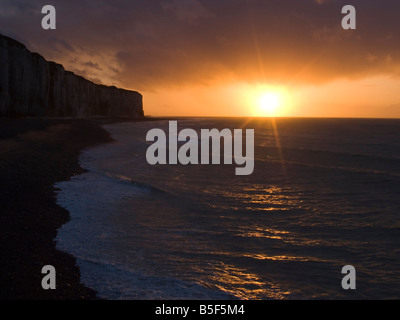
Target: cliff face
{"type": "Point", "coordinates": [32, 86]}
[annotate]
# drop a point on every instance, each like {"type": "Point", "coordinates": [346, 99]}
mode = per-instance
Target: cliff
{"type": "Point", "coordinates": [32, 86]}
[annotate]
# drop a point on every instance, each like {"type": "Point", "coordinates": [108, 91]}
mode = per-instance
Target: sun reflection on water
{"type": "Point", "coordinates": [259, 232]}
{"type": "Point", "coordinates": [259, 198]}
{"type": "Point", "coordinates": [245, 285]}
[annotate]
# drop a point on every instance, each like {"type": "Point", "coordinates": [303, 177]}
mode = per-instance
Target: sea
{"type": "Point", "coordinates": [324, 194]}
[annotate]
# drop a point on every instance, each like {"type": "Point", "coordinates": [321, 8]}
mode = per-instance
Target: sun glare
{"type": "Point", "coordinates": [269, 103]}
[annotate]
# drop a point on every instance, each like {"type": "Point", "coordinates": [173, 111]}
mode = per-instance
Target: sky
{"type": "Point", "coordinates": [226, 57]}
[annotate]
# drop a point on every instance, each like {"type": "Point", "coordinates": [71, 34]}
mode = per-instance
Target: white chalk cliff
{"type": "Point", "coordinates": [32, 86]}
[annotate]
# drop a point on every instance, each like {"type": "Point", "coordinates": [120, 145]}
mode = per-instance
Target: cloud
{"type": "Point", "coordinates": [145, 44]}
{"type": "Point", "coordinates": [189, 11]}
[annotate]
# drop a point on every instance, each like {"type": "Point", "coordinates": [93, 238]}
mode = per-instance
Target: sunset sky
{"type": "Point", "coordinates": [226, 57]}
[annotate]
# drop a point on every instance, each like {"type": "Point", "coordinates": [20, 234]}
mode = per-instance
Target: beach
{"type": "Point", "coordinates": [35, 154]}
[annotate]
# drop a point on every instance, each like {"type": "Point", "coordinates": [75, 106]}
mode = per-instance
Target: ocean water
{"type": "Point", "coordinates": [324, 194]}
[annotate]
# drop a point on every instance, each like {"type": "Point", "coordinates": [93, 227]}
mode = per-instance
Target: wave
{"type": "Point", "coordinates": [116, 282]}
{"type": "Point", "coordinates": [129, 181]}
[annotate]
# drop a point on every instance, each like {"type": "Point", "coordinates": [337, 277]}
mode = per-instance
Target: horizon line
{"type": "Point", "coordinates": [277, 117]}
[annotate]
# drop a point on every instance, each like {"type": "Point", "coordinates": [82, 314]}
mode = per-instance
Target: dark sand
{"type": "Point", "coordinates": [34, 154]}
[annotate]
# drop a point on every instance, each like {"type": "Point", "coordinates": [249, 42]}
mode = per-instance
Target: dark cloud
{"type": "Point", "coordinates": [142, 44]}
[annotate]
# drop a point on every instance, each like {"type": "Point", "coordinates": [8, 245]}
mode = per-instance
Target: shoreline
{"type": "Point", "coordinates": [35, 154]}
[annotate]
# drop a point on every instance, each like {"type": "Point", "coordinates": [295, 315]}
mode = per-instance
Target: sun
{"type": "Point", "coordinates": [269, 103]}
{"type": "Point", "coordinates": [262, 100]}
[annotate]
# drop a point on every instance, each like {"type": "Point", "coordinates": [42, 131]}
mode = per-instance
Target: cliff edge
{"type": "Point", "coordinates": [33, 86]}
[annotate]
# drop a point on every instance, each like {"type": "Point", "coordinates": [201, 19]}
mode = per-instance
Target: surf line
{"type": "Point", "coordinates": [188, 153]}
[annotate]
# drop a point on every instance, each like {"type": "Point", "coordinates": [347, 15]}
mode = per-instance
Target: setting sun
{"type": "Point", "coordinates": [269, 103]}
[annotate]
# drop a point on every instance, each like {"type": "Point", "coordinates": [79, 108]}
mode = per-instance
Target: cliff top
{"type": "Point", "coordinates": [13, 42]}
